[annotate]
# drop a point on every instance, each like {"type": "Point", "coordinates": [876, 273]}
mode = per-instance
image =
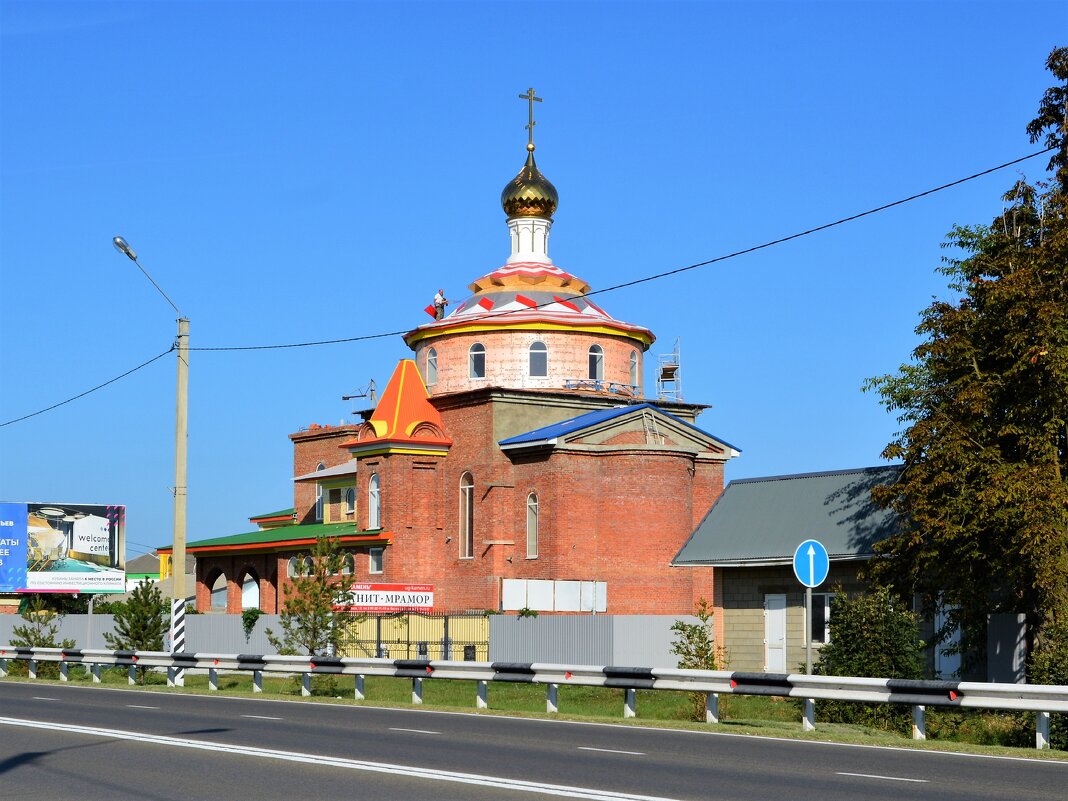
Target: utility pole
{"type": "Point", "coordinates": [181, 446]}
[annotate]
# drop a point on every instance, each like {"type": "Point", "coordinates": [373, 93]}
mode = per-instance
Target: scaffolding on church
{"type": "Point", "coordinates": [669, 375]}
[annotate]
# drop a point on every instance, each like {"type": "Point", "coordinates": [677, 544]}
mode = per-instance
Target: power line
{"type": "Point", "coordinates": [88, 391]}
{"type": "Point", "coordinates": [658, 276]}
{"type": "Point", "coordinates": [624, 285]}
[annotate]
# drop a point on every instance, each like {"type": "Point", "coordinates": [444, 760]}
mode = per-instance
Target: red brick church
{"type": "Point", "coordinates": [514, 460]}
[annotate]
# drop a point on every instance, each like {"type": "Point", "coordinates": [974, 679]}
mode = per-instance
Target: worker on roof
{"type": "Point", "coordinates": [439, 304]}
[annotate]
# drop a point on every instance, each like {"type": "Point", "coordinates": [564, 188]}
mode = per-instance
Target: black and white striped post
{"type": "Point", "coordinates": [176, 675]}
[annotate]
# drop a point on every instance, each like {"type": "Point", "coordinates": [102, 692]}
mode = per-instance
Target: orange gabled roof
{"type": "Point", "coordinates": [405, 407]}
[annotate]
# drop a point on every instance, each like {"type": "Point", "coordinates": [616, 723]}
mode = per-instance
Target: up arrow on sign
{"type": "Point", "coordinates": [811, 563]}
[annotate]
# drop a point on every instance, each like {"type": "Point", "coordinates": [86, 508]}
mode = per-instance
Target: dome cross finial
{"type": "Point", "coordinates": [531, 100]}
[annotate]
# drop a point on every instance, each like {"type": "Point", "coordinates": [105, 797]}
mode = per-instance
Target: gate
{"type": "Point", "coordinates": [412, 635]}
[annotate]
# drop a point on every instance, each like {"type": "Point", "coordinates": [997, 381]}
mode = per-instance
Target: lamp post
{"type": "Point", "coordinates": [181, 444]}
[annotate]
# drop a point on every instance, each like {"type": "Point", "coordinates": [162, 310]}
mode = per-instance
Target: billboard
{"type": "Point", "coordinates": [62, 547]}
{"type": "Point", "coordinates": [389, 598]}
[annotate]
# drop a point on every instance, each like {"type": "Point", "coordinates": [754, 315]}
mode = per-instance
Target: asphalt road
{"type": "Point", "coordinates": [91, 743]}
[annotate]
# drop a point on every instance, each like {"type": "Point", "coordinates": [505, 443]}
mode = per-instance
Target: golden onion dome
{"type": "Point", "coordinates": [529, 194]}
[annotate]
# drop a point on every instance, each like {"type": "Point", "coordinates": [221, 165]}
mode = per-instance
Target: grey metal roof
{"type": "Point", "coordinates": [763, 520]}
{"type": "Point", "coordinates": [344, 469]}
{"type": "Point", "coordinates": [145, 563]}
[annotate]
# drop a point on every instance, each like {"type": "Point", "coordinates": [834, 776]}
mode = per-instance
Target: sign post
{"type": "Point", "coordinates": [811, 566]}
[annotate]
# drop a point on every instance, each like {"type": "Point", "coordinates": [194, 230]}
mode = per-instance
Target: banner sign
{"type": "Point", "coordinates": [62, 547]}
{"type": "Point", "coordinates": [389, 598]}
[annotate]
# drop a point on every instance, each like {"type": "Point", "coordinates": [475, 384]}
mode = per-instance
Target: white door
{"type": "Point", "coordinates": [775, 633]}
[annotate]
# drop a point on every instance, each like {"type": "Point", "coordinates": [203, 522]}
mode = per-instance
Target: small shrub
{"type": "Point", "coordinates": [1049, 665]}
{"type": "Point", "coordinates": [870, 637]}
{"type": "Point", "coordinates": [39, 631]}
{"type": "Point", "coordinates": [695, 646]}
{"type": "Point", "coordinates": [248, 621]}
{"type": "Point", "coordinates": [141, 623]}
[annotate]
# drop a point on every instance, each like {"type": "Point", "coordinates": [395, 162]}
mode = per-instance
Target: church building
{"type": "Point", "coordinates": [515, 460]}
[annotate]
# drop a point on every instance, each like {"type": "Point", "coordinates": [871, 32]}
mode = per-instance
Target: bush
{"type": "Point", "coordinates": [1049, 665]}
{"type": "Point", "coordinates": [141, 622]}
{"type": "Point", "coordinates": [39, 631]}
{"type": "Point", "coordinates": [695, 646]}
{"type": "Point", "coordinates": [870, 637]}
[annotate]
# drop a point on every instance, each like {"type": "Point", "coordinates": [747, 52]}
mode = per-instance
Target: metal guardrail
{"type": "Point", "coordinates": [1040, 699]}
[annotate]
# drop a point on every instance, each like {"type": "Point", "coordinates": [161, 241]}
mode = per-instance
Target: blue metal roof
{"type": "Point", "coordinates": [565, 427]}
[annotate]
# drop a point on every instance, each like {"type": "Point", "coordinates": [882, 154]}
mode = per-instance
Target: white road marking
{"type": "Point", "coordinates": [262, 717]}
{"type": "Point", "coordinates": [610, 750]}
{"type": "Point", "coordinates": [140, 706]}
{"type": "Point", "coordinates": [417, 731]}
{"type": "Point", "coordinates": [43, 698]}
{"type": "Point", "coordinates": [588, 794]}
{"type": "Point", "coordinates": [887, 778]}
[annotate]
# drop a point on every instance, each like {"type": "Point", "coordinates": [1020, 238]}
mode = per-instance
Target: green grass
{"type": "Point", "coordinates": [972, 731]}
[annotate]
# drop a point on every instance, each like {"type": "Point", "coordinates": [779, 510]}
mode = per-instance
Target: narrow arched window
{"type": "Point", "coordinates": [539, 360]}
{"type": "Point", "coordinates": [292, 567]}
{"type": "Point", "coordinates": [348, 564]}
{"type": "Point", "coordinates": [307, 567]}
{"type": "Point", "coordinates": [218, 592]}
{"type": "Point", "coordinates": [634, 368]}
{"type": "Point", "coordinates": [350, 501]}
{"type": "Point", "coordinates": [374, 503]}
{"type": "Point", "coordinates": [250, 591]}
{"type": "Point", "coordinates": [431, 367]}
{"type": "Point", "coordinates": [319, 494]}
{"type": "Point", "coordinates": [467, 516]}
{"type": "Point", "coordinates": [476, 361]}
{"type": "Point", "coordinates": [596, 363]}
{"type": "Point", "coordinates": [532, 525]}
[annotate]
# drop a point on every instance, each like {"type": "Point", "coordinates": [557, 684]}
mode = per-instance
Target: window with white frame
{"type": "Point", "coordinates": [596, 363]}
{"type": "Point", "coordinates": [374, 503]}
{"type": "Point", "coordinates": [319, 494]}
{"type": "Point", "coordinates": [431, 367]}
{"type": "Point", "coordinates": [467, 516]}
{"type": "Point", "coordinates": [348, 564]}
{"type": "Point", "coordinates": [634, 368]}
{"type": "Point", "coordinates": [350, 501]}
{"type": "Point", "coordinates": [539, 360]}
{"type": "Point", "coordinates": [292, 567]}
{"type": "Point", "coordinates": [532, 525]}
{"type": "Point", "coordinates": [819, 629]}
{"type": "Point", "coordinates": [375, 560]}
{"type": "Point", "coordinates": [476, 361]}
{"type": "Point", "coordinates": [307, 566]}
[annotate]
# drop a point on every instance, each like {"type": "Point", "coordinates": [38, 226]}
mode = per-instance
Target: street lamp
{"type": "Point", "coordinates": [181, 444]}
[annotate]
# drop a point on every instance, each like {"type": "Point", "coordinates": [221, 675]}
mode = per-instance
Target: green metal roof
{"type": "Point", "coordinates": [283, 534]}
{"type": "Point", "coordinates": [763, 520]}
{"type": "Point", "coordinates": [289, 512]}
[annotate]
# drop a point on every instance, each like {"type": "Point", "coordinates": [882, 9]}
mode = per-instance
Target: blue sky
{"type": "Point", "coordinates": [298, 171]}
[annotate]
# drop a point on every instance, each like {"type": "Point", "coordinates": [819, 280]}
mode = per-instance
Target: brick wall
{"type": "Point", "coordinates": [314, 446]}
{"type": "Point", "coordinates": [615, 513]}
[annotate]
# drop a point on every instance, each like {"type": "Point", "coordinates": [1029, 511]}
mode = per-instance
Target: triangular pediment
{"type": "Point", "coordinates": [644, 426]}
{"type": "Point", "coordinates": [647, 426]}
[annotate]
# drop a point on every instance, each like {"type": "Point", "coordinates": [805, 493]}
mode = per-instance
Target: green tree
{"type": "Point", "coordinates": [1050, 125]}
{"type": "Point", "coordinates": [308, 621]}
{"type": "Point", "coordinates": [142, 622]}
{"type": "Point", "coordinates": [873, 636]}
{"type": "Point", "coordinates": [983, 494]}
{"type": "Point", "coordinates": [695, 646]}
{"type": "Point", "coordinates": [40, 630]}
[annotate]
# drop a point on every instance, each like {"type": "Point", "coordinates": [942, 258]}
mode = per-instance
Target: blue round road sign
{"type": "Point", "coordinates": [811, 563]}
